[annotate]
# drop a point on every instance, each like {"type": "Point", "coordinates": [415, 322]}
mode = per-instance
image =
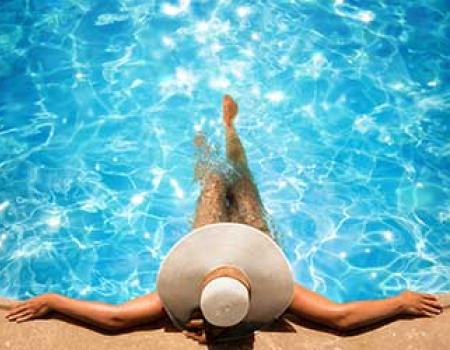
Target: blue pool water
{"type": "Point", "coordinates": [344, 112]}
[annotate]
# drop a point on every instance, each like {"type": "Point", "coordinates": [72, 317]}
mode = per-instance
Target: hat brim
{"type": "Point", "coordinates": [226, 244]}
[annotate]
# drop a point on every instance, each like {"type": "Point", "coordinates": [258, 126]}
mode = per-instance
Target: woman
{"type": "Point", "coordinates": [238, 202]}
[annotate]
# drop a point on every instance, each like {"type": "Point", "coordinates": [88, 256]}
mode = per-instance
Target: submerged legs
{"type": "Point", "coordinates": [222, 200]}
{"type": "Point", "coordinates": [245, 205]}
{"type": "Point", "coordinates": [211, 204]}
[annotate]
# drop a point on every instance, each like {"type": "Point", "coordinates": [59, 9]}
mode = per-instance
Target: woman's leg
{"type": "Point", "coordinates": [245, 205]}
{"type": "Point", "coordinates": [211, 204]}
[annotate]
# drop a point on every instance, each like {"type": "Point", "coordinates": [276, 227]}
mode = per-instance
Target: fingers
{"type": "Point", "coordinates": [25, 317]}
{"type": "Point", "coordinates": [191, 335]}
{"type": "Point", "coordinates": [431, 309]}
{"type": "Point", "coordinates": [201, 338]}
{"type": "Point", "coordinates": [427, 313]}
{"type": "Point", "coordinates": [17, 309]}
{"type": "Point", "coordinates": [195, 323]}
{"type": "Point", "coordinates": [196, 330]}
{"type": "Point", "coordinates": [21, 312]}
{"type": "Point", "coordinates": [430, 297]}
{"type": "Point", "coordinates": [19, 315]}
{"type": "Point", "coordinates": [430, 305]}
{"type": "Point", "coordinates": [433, 303]}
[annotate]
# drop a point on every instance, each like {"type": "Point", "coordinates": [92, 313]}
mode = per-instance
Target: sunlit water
{"type": "Point", "coordinates": [344, 112]}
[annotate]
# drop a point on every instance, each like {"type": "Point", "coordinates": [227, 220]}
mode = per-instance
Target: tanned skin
{"type": "Point", "coordinates": [244, 206]}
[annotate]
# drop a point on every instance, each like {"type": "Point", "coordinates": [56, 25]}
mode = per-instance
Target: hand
{"type": "Point", "coordinates": [28, 309]}
{"type": "Point", "coordinates": [420, 304]}
{"type": "Point", "coordinates": [196, 330]}
{"type": "Point", "coordinates": [200, 330]}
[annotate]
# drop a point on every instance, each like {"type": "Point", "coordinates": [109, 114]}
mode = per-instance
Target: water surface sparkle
{"type": "Point", "coordinates": [343, 112]}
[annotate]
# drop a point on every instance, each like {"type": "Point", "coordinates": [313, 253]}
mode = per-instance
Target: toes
{"type": "Point", "coordinates": [230, 108]}
{"type": "Point", "coordinates": [227, 99]}
{"type": "Point", "coordinates": [199, 139]}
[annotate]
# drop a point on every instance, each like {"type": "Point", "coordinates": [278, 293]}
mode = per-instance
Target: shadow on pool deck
{"type": "Point", "coordinates": [59, 332]}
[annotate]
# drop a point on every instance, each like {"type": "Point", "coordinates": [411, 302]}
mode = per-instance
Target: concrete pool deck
{"type": "Point", "coordinates": [58, 332]}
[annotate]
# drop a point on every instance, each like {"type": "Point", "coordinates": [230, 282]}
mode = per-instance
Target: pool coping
{"type": "Point", "coordinates": [58, 332]}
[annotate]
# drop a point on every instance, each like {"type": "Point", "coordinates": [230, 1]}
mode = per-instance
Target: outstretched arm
{"type": "Point", "coordinates": [351, 315]}
{"type": "Point", "coordinates": [140, 310]}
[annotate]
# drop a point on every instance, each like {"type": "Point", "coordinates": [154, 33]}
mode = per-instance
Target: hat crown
{"type": "Point", "coordinates": [224, 301]}
{"type": "Point", "coordinates": [181, 278]}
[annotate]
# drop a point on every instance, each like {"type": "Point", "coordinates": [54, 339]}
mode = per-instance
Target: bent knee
{"type": "Point", "coordinates": [214, 179]}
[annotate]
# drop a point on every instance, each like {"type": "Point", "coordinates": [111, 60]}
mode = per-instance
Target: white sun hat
{"type": "Point", "coordinates": [232, 272]}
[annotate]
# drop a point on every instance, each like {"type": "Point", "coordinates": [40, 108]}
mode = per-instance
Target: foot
{"type": "Point", "coordinates": [230, 110]}
{"type": "Point", "coordinates": [200, 142]}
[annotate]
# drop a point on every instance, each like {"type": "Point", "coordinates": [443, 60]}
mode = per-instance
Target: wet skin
{"type": "Point", "coordinates": [222, 200]}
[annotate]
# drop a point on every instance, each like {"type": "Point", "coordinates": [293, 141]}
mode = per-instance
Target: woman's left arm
{"type": "Point", "coordinates": [345, 316]}
{"type": "Point", "coordinates": [140, 310]}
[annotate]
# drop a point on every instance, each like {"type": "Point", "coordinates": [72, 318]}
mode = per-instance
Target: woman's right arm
{"type": "Point", "coordinates": [140, 310]}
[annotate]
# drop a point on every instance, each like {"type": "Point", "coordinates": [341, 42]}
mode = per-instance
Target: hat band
{"type": "Point", "coordinates": [226, 271]}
